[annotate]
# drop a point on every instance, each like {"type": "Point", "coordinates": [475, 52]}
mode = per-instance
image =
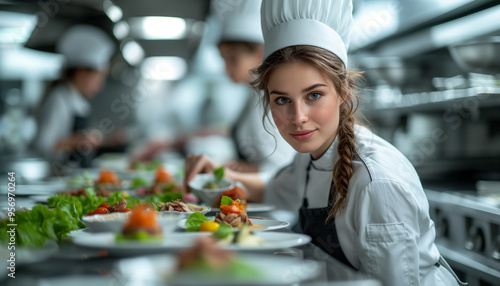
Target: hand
{"type": "Point", "coordinates": [196, 164]}
{"type": "Point", "coordinates": [88, 138]}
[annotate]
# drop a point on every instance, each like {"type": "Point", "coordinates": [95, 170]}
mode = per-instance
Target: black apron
{"type": "Point", "coordinates": [312, 223]}
{"type": "Point", "coordinates": [237, 125]}
{"type": "Point", "coordinates": [80, 158]}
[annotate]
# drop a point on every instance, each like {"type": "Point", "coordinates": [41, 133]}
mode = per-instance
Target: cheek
{"type": "Point", "coordinates": [328, 114]}
{"type": "Point", "coordinates": [323, 115]}
{"type": "Point", "coordinates": [280, 118]}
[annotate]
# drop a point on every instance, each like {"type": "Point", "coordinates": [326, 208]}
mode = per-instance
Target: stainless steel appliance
{"type": "Point", "coordinates": [468, 234]}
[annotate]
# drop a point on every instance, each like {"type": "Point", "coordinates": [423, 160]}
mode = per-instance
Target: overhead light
{"type": "Point", "coordinates": [132, 52]}
{"type": "Point", "coordinates": [159, 28]}
{"type": "Point", "coordinates": [163, 68]}
{"type": "Point", "coordinates": [121, 30]}
{"type": "Point", "coordinates": [15, 28]}
{"type": "Point", "coordinates": [467, 27]}
{"type": "Point", "coordinates": [113, 12]}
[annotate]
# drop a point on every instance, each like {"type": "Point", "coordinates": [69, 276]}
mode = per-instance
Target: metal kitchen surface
{"type": "Point", "coordinates": [468, 233]}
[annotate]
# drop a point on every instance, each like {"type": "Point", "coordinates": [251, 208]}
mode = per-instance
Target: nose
{"type": "Point", "coordinates": [299, 114]}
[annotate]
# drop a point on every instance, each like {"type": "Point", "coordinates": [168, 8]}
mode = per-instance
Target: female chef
{"type": "Point", "coordinates": [63, 116]}
{"type": "Point", "coordinates": [358, 197]}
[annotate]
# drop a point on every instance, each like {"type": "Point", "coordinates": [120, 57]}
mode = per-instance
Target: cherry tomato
{"type": "Point", "coordinates": [125, 210]}
{"type": "Point", "coordinates": [101, 210]}
{"type": "Point", "coordinates": [91, 213]}
{"type": "Point", "coordinates": [104, 205]}
{"type": "Point", "coordinates": [209, 226]}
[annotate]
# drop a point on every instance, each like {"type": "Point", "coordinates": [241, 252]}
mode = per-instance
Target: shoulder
{"type": "Point", "coordinates": [377, 159]}
{"type": "Point", "coordinates": [383, 178]}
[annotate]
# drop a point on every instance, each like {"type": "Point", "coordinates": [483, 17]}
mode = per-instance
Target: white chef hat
{"type": "Point", "coordinates": [86, 46]}
{"type": "Point", "coordinates": [321, 23]}
{"type": "Point", "coordinates": [241, 22]}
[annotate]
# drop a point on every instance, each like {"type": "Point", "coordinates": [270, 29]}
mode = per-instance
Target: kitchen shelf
{"type": "Point", "coordinates": [434, 101]}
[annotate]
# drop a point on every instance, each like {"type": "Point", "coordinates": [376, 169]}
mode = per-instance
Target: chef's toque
{"type": "Point", "coordinates": [85, 46]}
{"type": "Point", "coordinates": [322, 23]}
{"type": "Point", "coordinates": [241, 23]}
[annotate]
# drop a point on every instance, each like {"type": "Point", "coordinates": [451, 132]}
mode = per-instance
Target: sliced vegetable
{"type": "Point", "coordinates": [209, 226]}
{"type": "Point", "coordinates": [234, 207]}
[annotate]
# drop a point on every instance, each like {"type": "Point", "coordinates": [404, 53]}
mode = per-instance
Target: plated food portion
{"type": "Point", "coordinates": [232, 215]}
{"type": "Point", "coordinates": [204, 263]}
{"type": "Point", "coordinates": [141, 225]}
{"type": "Point", "coordinates": [162, 182]}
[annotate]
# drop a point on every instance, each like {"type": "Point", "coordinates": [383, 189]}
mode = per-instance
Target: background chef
{"type": "Point", "coordinates": [63, 115]}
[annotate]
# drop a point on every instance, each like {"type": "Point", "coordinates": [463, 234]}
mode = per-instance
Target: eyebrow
{"type": "Point", "coordinates": [307, 89]}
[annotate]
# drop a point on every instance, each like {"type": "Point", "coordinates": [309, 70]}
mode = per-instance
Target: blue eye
{"type": "Point", "coordinates": [314, 95]}
{"type": "Point", "coordinates": [281, 100]}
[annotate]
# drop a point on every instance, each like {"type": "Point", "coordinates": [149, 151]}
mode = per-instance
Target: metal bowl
{"type": "Point", "coordinates": [392, 71]}
{"type": "Point", "coordinates": [480, 56]}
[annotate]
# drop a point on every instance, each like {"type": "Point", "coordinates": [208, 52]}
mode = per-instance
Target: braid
{"type": "Point", "coordinates": [342, 171]}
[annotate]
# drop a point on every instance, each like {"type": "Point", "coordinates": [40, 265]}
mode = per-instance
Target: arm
{"type": "Point", "coordinates": [53, 124]}
{"type": "Point", "coordinates": [387, 223]}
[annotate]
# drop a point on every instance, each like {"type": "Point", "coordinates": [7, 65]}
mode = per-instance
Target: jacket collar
{"type": "Point", "coordinates": [328, 159]}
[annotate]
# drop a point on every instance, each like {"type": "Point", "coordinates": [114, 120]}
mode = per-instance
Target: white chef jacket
{"type": "Point", "coordinates": [265, 148]}
{"type": "Point", "coordinates": [56, 118]}
{"type": "Point", "coordinates": [385, 229]}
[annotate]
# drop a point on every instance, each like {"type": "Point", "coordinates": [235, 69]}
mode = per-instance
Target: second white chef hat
{"type": "Point", "coordinates": [241, 22]}
{"type": "Point", "coordinates": [322, 23]}
{"type": "Point", "coordinates": [85, 46]}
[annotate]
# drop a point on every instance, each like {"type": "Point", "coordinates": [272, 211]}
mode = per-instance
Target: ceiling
{"type": "Point", "coordinates": [55, 16]}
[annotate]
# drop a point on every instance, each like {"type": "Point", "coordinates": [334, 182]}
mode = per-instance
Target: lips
{"type": "Point", "coordinates": [302, 135]}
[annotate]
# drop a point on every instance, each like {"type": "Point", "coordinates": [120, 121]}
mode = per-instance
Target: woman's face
{"type": "Point", "coordinates": [239, 61]}
{"type": "Point", "coordinates": [305, 107]}
{"type": "Point", "coordinates": [90, 82]}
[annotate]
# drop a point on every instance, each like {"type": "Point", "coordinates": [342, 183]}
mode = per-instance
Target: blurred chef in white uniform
{"type": "Point", "coordinates": [261, 150]}
{"type": "Point", "coordinates": [63, 115]}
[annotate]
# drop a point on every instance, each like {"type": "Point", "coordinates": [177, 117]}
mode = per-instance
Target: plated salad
{"type": "Point", "coordinates": [141, 225]}
{"type": "Point", "coordinates": [212, 263]}
{"type": "Point", "coordinates": [232, 214]}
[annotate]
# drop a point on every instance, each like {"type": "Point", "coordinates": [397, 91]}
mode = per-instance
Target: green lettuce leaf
{"type": "Point", "coordinates": [225, 201]}
{"type": "Point", "coordinates": [219, 173]}
{"type": "Point", "coordinates": [223, 231]}
{"type": "Point", "coordinates": [195, 220]}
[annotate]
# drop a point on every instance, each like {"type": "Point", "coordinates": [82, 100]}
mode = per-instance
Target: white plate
{"type": "Point", "coordinates": [269, 224]}
{"type": "Point", "coordinates": [176, 241]}
{"type": "Point", "coordinates": [106, 241]}
{"type": "Point", "coordinates": [254, 207]}
{"type": "Point", "coordinates": [27, 255]}
{"type": "Point", "coordinates": [273, 270]}
{"type": "Point", "coordinates": [272, 241]}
